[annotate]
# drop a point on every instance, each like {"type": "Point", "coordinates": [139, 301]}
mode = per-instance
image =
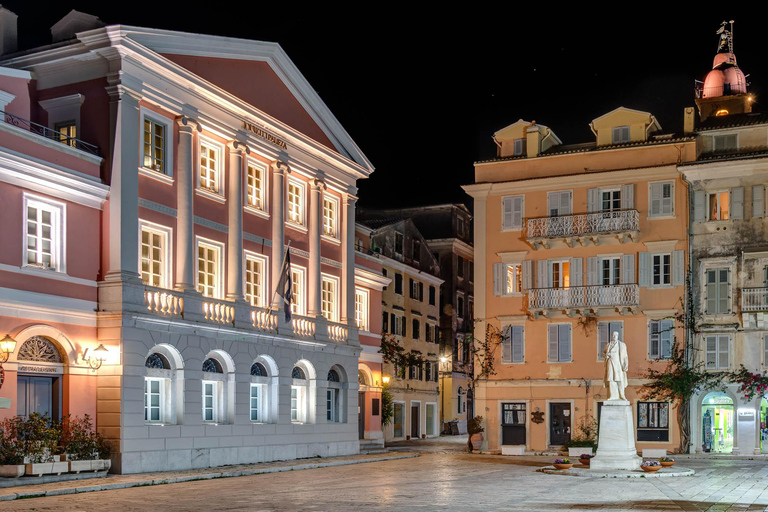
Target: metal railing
{"type": "Point", "coordinates": [584, 296]}
{"type": "Point", "coordinates": [48, 133]}
{"type": "Point", "coordinates": [584, 224]}
{"type": "Point", "coordinates": [754, 299]}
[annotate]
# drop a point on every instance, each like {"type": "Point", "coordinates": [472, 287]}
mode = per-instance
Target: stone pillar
{"type": "Point", "coordinates": [124, 186]}
{"type": "Point", "coordinates": [315, 230]}
{"type": "Point", "coordinates": [348, 262]}
{"type": "Point", "coordinates": [235, 233]}
{"type": "Point", "coordinates": [279, 169]}
{"type": "Point", "coordinates": [185, 217]}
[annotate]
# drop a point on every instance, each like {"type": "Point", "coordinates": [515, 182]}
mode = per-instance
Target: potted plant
{"type": "Point", "coordinates": [584, 458]}
{"type": "Point", "coordinates": [475, 432]}
{"type": "Point", "coordinates": [85, 448]}
{"type": "Point", "coordinates": [40, 438]}
{"type": "Point", "coordinates": [667, 462]}
{"type": "Point", "coordinates": [584, 439]}
{"type": "Point", "coordinates": [650, 466]}
{"type": "Point", "coordinates": [11, 455]}
{"type": "Point", "coordinates": [562, 464]}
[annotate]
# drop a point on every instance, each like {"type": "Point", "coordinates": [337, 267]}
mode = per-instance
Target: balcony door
{"type": "Point", "coordinates": [560, 282]}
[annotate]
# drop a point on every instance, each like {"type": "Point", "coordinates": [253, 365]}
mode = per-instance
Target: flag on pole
{"type": "Point", "coordinates": [285, 286]}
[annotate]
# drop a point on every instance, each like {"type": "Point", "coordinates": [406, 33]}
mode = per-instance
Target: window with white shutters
{"type": "Point", "coordinates": [513, 348]}
{"type": "Point", "coordinates": [662, 199]}
{"type": "Point", "coordinates": [719, 206]}
{"type": "Point", "coordinates": [662, 269]}
{"type": "Point", "coordinates": [724, 143]}
{"type": "Point", "coordinates": [559, 343]}
{"type": "Point", "coordinates": [620, 135]}
{"type": "Point", "coordinates": [660, 336]}
{"type": "Point", "coordinates": [519, 147]}
{"type": "Point", "coordinates": [717, 346]}
{"type": "Point", "coordinates": [758, 201]}
{"type": "Point", "coordinates": [512, 210]}
{"type": "Point", "coordinates": [718, 300]}
{"type": "Point", "coordinates": [559, 203]}
{"type": "Point", "coordinates": [604, 333]}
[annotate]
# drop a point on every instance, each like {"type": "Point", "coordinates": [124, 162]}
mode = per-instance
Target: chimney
{"type": "Point", "coordinates": [72, 23]}
{"type": "Point", "coordinates": [533, 142]}
{"type": "Point", "coordinates": [689, 120]}
{"type": "Point", "coordinates": [8, 31]}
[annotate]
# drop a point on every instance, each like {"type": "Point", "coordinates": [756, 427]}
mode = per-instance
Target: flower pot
{"type": "Point", "coordinates": [667, 464]}
{"type": "Point", "coordinates": [12, 470]}
{"type": "Point", "coordinates": [76, 466]}
{"type": "Point", "coordinates": [650, 469]}
{"type": "Point", "coordinates": [476, 440]}
{"type": "Point", "coordinates": [46, 468]}
{"type": "Point", "coordinates": [563, 466]}
{"type": "Point", "coordinates": [585, 461]}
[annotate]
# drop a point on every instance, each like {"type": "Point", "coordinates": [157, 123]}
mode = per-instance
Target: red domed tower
{"type": "Point", "coordinates": [724, 90]}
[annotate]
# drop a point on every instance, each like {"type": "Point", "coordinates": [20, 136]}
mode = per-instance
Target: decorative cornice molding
{"type": "Point", "coordinates": [157, 207]}
{"type": "Point", "coordinates": [257, 239]}
{"type": "Point", "coordinates": [211, 224]}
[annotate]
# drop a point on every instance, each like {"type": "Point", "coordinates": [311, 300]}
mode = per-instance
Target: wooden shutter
{"type": "Point", "coordinates": [722, 351]}
{"type": "Point", "coordinates": [758, 201]}
{"type": "Point", "coordinates": [710, 277]}
{"type": "Point", "coordinates": [506, 212]}
{"type": "Point", "coordinates": [577, 270]}
{"type": "Point", "coordinates": [603, 335]}
{"type": "Point", "coordinates": [666, 336]}
{"type": "Point", "coordinates": [628, 269]}
{"type": "Point", "coordinates": [518, 212]}
{"type": "Point", "coordinates": [541, 274]}
{"type": "Point", "coordinates": [724, 280]}
{"type": "Point", "coordinates": [711, 342]}
{"type": "Point", "coordinates": [499, 279]}
{"type": "Point", "coordinates": [699, 206]}
{"type": "Point", "coordinates": [565, 203]}
{"type": "Point", "coordinates": [593, 200]}
{"type": "Point", "coordinates": [678, 268]}
{"type": "Point", "coordinates": [518, 354]}
{"type": "Point", "coordinates": [627, 197]}
{"type": "Point", "coordinates": [506, 345]}
{"type": "Point", "coordinates": [553, 202]}
{"type": "Point", "coordinates": [393, 324]}
{"type": "Point", "coordinates": [564, 342]}
{"type": "Point", "coordinates": [402, 325]}
{"type": "Point", "coordinates": [643, 268]}
{"type": "Point", "coordinates": [421, 292]}
{"type": "Point", "coordinates": [593, 276]}
{"type": "Point", "coordinates": [527, 274]}
{"type": "Point", "coordinates": [552, 350]}
{"type": "Point", "coordinates": [656, 190]}
{"type": "Point", "coordinates": [737, 203]}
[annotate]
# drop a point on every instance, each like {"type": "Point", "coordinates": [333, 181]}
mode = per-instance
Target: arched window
{"type": "Point", "coordinates": [333, 376]}
{"type": "Point", "coordinates": [299, 395]}
{"type": "Point", "coordinates": [39, 348]}
{"type": "Point", "coordinates": [460, 400]}
{"type": "Point", "coordinates": [211, 365]}
{"type": "Point", "coordinates": [361, 379]}
{"type": "Point", "coordinates": [157, 362]}
{"type": "Point", "coordinates": [298, 373]}
{"type": "Point", "coordinates": [258, 370]}
{"type": "Point", "coordinates": [260, 393]}
{"type": "Point", "coordinates": [334, 397]}
{"type": "Point", "coordinates": [162, 385]}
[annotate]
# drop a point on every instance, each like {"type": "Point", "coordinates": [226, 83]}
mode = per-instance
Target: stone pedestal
{"type": "Point", "coordinates": [616, 443]}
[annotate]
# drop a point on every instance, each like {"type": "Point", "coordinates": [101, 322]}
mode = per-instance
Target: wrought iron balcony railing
{"type": "Point", "coordinates": [754, 299]}
{"type": "Point", "coordinates": [615, 295]}
{"type": "Point", "coordinates": [48, 133]}
{"type": "Point", "coordinates": [584, 224]}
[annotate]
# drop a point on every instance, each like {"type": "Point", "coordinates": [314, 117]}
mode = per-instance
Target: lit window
{"type": "Point", "coordinates": [154, 259]}
{"type": "Point", "coordinates": [255, 187]}
{"type": "Point", "coordinates": [329, 294]}
{"type": "Point", "coordinates": [44, 237]}
{"type": "Point", "coordinates": [209, 269]}
{"type": "Point", "coordinates": [653, 421]}
{"type": "Point", "coordinates": [296, 203]}
{"type": "Point", "coordinates": [514, 278]}
{"type": "Point", "coordinates": [620, 135]}
{"type": "Point", "coordinates": [297, 283]}
{"type": "Point", "coordinates": [662, 269]}
{"type": "Point", "coordinates": [154, 145]}
{"type": "Point", "coordinates": [299, 395]}
{"type": "Point", "coordinates": [719, 205]}
{"type": "Point", "coordinates": [361, 309]}
{"type": "Point", "coordinates": [67, 132]}
{"type": "Point", "coordinates": [330, 217]}
{"type": "Point", "coordinates": [210, 167]}
{"type": "Point", "coordinates": [255, 276]}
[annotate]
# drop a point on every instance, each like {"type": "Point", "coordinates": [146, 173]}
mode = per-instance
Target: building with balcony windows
{"type": "Point", "coordinates": [729, 256]}
{"type": "Point", "coordinates": [153, 182]}
{"type": "Point", "coordinates": [410, 314]}
{"type": "Point", "coordinates": [572, 243]}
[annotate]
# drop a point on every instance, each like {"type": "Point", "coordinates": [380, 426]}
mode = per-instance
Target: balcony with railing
{"type": "Point", "coordinates": [754, 300]}
{"type": "Point", "coordinates": [595, 228]}
{"type": "Point", "coordinates": [583, 300]}
{"type": "Point", "coordinates": [49, 133]}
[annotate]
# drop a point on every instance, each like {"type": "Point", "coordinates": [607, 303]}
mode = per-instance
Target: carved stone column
{"type": "Point", "coordinates": [279, 169]}
{"type": "Point", "coordinates": [348, 261]}
{"type": "Point", "coordinates": [315, 230]}
{"type": "Point", "coordinates": [235, 232]}
{"type": "Point", "coordinates": [185, 217]}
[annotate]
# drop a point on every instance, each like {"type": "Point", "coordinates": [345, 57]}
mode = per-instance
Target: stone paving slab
{"type": "Point", "coordinates": [113, 482]}
{"type": "Point", "coordinates": [585, 472]}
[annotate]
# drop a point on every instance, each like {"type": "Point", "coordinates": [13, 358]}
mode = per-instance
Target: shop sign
{"type": "Point", "coordinates": [38, 369]}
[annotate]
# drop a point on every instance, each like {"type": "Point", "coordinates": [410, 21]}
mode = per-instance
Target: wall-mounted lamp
{"type": "Point", "coordinates": [443, 359]}
{"type": "Point", "coordinates": [7, 346]}
{"type": "Point", "coordinates": [97, 358]}
{"type": "Point", "coordinates": [385, 379]}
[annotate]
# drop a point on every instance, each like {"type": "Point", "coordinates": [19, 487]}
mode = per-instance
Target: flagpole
{"type": "Point", "coordinates": [277, 283]}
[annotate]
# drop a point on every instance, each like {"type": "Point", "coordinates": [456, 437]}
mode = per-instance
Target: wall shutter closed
{"type": "Point", "coordinates": [643, 268]}
{"type": "Point", "coordinates": [527, 274]}
{"type": "Point", "coordinates": [506, 345]}
{"type": "Point", "coordinates": [577, 270]}
{"type": "Point", "coordinates": [506, 212]}
{"type": "Point", "coordinates": [498, 279]}
{"type": "Point", "coordinates": [552, 345]}
{"type": "Point", "coordinates": [518, 355]}
{"type": "Point", "coordinates": [564, 342]}
{"type": "Point", "coordinates": [758, 201]}
{"type": "Point", "coordinates": [593, 200]}
{"type": "Point", "coordinates": [628, 269]}
{"type": "Point", "coordinates": [722, 351]}
{"type": "Point", "coordinates": [699, 206]}
{"type": "Point", "coordinates": [565, 203]}
{"type": "Point", "coordinates": [655, 199]}
{"type": "Point", "coordinates": [603, 336]}
{"type": "Point", "coordinates": [627, 197]}
{"type": "Point", "coordinates": [737, 203]}
{"type": "Point", "coordinates": [678, 268]}
{"type": "Point", "coordinates": [541, 274]}
{"type": "Point", "coordinates": [593, 276]}
{"type": "Point", "coordinates": [518, 211]}
{"type": "Point", "coordinates": [421, 292]}
{"type": "Point", "coordinates": [667, 328]}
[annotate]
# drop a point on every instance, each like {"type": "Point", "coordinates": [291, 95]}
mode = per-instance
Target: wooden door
{"type": "Point", "coordinates": [361, 415]}
{"type": "Point", "coordinates": [415, 434]}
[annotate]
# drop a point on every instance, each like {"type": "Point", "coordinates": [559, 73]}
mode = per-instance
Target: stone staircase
{"type": "Point", "coordinates": [372, 446]}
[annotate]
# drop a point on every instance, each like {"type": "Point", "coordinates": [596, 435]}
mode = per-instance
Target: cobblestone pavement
{"type": "Point", "coordinates": [443, 478]}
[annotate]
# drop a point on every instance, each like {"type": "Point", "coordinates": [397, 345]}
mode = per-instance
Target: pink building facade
{"type": "Point", "coordinates": [212, 158]}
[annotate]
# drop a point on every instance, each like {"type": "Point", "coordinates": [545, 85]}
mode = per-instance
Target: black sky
{"type": "Point", "coordinates": [421, 88]}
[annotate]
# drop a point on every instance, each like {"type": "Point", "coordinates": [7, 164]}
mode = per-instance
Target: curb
{"type": "Point", "coordinates": [192, 478]}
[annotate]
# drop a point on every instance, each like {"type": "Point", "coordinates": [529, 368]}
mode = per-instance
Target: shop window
{"type": "Point", "coordinates": [653, 421]}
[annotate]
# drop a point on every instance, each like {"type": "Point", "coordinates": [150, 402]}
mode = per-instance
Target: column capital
{"type": "Point", "coordinates": [280, 167]}
{"type": "Point", "coordinates": [119, 92]}
{"type": "Point", "coordinates": [187, 124]}
{"type": "Point", "coordinates": [239, 147]}
{"type": "Point", "coordinates": [318, 183]}
{"type": "Point", "coordinates": [350, 199]}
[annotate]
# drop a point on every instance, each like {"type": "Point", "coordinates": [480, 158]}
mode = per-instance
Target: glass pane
{"type": "Point", "coordinates": [155, 415]}
{"type": "Point", "coordinates": [155, 386]}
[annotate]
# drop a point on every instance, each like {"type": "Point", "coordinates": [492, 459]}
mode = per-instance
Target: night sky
{"type": "Point", "coordinates": [421, 90]}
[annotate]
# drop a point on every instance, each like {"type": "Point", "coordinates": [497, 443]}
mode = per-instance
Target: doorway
{"type": "Point", "coordinates": [559, 423]}
{"type": "Point", "coordinates": [38, 394]}
{"type": "Point", "coordinates": [398, 420]}
{"type": "Point", "coordinates": [717, 422]}
{"type": "Point", "coordinates": [361, 415]}
{"type": "Point", "coordinates": [415, 416]}
{"type": "Point", "coordinates": [513, 424]}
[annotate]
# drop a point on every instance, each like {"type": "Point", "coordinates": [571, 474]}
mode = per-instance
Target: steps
{"type": "Point", "coordinates": [372, 446]}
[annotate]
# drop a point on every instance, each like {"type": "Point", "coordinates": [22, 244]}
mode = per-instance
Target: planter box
{"type": "Point", "coordinates": [46, 468]}
{"type": "Point", "coordinates": [513, 450]}
{"type": "Point", "coordinates": [76, 466]}
{"type": "Point", "coordinates": [575, 452]}
{"type": "Point", "coordinates": [12, 471]}
{"type": "Point", "coordinates": [654, 453]}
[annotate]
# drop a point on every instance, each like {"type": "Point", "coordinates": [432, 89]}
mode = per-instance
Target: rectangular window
{"type": "Point", "coordinates": [662, 269]}
{"type": "Point", "coordinates": [67, 132]}
{"type": "Point", "coordinates": [416, 334]}
{"type": "Point", "coordinates": [331, 403]}
{"type": "Point", "coordinates": [296, 398]}
{"type": "Point", "coordinates": [512, 348]}
{"type": "Point", "coordinates": [765, 350]}
{"type": "Point", "coordinates": [255, 276]}
{"type": "Point", "coordinates": [416, 251]}
{"type": "Point", "coordinates": [460, 267]}
{"type": "Point", "coordinates": [718, 301]}
{"type": "Point", "coordinates": [661, 334]}
{"type": "Point", "coordinates": [153, 264]}
{"type": "Point", "coordinates": [471, 271]}
{"type": "Point", "coordinates": [460, 306]}
{"type": "Point", "coordinates": [257, 402]}
{"type": "Point", "coordinates": [210, 167]}
{"type": "Point", "coordinates": [432, 295]}
{"type": "Point", "coordinates": [560, 274]}
{"type": "Point", "coordinates": [329, 296]}
{"type": "Point", "coordinates": [153, 400]}
{"type": "Point", "coordinates": [255, 189]}
{"type": "Point", "coordinates": [512, 212]}
{"type": "Point", "coordinates": [399, 284]}
{"type": "Point", "coordinates": [610, 200]}
{"type": "Point", "coordinates": [398, 243]}
{"type": "Point", "coordinates": [620, 135]}
{"type": "Point", "coordinates": [330, 217]}
{"type": "Point", "coordinates": [610, 271]}
{"type": "Point", "coordinates": [604, 332]}
{"type": "Point", "coordinates": [385, 322]}
{"type": "Point", "coordinates": [719, 205]}
{"type": "Point", "coordinates": [653, 421]}
{"type": "Point", "coordinates": [559, 343]}
{"type": "Point", "coordinates": [662, 199]}
{"type": "Point", "coordinates": [208, 270]}
{"type": "Point", "coordinates": [718, 351]}
{"type": "Point", "coordinates": [154, 145]}
{"type": "Point", "coordinates": [519, 147]}
{"type": "Point", "coordinates": [296, 203]}
{"type": "Point", "coordinates": [724, 142]}
{"type": "Point", "coordinates": [45, 234]}
{"type": "Point", "coordinates": [298, 306]}
{"type": "Point", "coordinates": [559, 203]}
{"type": "Point", "coordinates": [361, 309]}
{"type": "Point", "coordinates": [209, 401]}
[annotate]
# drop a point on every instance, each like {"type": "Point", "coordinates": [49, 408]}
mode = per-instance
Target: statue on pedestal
{"type": "Point", "coordinates": [616, 366]}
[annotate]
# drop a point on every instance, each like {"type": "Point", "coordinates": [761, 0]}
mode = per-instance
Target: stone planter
{"type": "Point", "coordinates": [665, 464]}
{"type": "Point", "coordinates": [575, 452]}
{"type": "Point", "coordinates": [46, 468]}
{"type": "Point", "coordinates": [563, 466]}
{"type": "Point", "coordinates": [12, 470]}
{"type": "Point", "coordinates": [76, 466]}
{"type": "Point", "coordinates": [476, 440]}
{"type": "Point", "coordinates": [650, 469]}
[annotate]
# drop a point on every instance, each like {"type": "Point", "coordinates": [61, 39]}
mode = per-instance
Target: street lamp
{"type": "Point", "coordinates": [385, 379]}
{"type": "Point", "coordinates": [98, 357]}
{"type": "Point", "coordinates": [7, 346]}
{"type": "Point", "coordinates": [443, 361]}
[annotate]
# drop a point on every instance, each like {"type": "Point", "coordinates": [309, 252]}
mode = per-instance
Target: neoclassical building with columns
{"type": "Point", "coordinates": [214, 158]}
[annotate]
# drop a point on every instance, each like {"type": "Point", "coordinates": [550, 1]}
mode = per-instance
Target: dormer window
{"type": "Point", "coordinates": [724, 142]}
{"type": "Point", "coordinates": [519, 148]}
{"type": "Point", "coordinates": [620, 135]}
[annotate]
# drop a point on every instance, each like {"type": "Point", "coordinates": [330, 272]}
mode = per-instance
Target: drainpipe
{"type": "Point", "coordinates": [687, 352]}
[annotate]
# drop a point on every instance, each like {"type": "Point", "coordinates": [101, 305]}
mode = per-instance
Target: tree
{"type": "Point", "coordinates": [387, 406]}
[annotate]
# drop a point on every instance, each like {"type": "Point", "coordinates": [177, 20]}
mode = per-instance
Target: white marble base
{"type": "Point", "coordinates": [616, 444]}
